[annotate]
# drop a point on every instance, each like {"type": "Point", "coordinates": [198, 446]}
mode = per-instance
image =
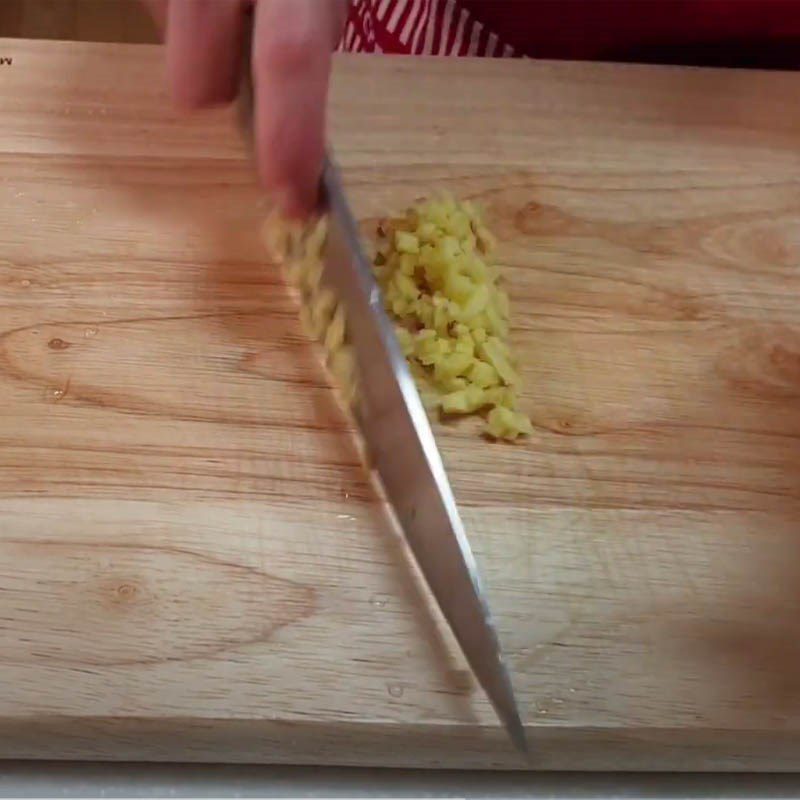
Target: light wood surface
{"type": "Point", "coordinates": [192, 564]}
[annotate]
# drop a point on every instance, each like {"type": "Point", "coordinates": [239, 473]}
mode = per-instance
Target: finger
{"type": "Point", "coordinates": [204, 38]}
{"type": "Point", "coordinates": [292, 47]}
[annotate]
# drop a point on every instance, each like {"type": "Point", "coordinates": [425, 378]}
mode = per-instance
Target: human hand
{"type": "Point", "coordinates": [291, 61]}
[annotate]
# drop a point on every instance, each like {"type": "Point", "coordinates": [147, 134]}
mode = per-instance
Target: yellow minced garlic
{"type": "Point", "coordinates": [440, 287]}
{"type": "Point", "coordinates": [443, 291]}
{"type": "Point", "coordinates": [299, 250]}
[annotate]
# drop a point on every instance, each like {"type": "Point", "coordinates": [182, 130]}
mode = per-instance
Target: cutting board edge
{"type": "Point", "coordinates": [363, 744]}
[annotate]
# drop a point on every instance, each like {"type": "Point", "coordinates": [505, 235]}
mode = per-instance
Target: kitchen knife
{"type": "Point", "coordinates": [404, 455]}
{"type": "Point", "coordinates": [401, 447]}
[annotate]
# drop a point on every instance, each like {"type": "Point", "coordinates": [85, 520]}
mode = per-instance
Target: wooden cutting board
{"type": "Point", "coordinates": [192, 563]}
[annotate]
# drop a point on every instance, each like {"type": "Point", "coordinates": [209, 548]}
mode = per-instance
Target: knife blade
{"type": "Point", "coordinates": [403, 453]}
{"type": "Point", "coordinates": [400, 444]}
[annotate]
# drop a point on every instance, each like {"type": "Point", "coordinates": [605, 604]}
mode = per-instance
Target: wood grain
{"type": "Point", "coordinates": [192, 564]}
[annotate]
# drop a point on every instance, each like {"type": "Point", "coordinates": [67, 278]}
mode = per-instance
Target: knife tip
{"type": "Point", "coordinates": [516, 730]}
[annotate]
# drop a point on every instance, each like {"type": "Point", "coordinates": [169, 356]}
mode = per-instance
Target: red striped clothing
{"type": "Point", "coordinates": [725, 32]}
{"type": "Point", "coordinates": [419, 27]}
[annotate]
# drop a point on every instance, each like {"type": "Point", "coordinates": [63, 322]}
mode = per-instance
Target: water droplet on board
{"type": "Point", "coordinates": [89, 332]}
{"type": "Point", "coordinates": [394, 689]}
{"type": "Point", "coordinates": [57, 394]}
{"type": "Point", "coordinates": [379, 600]}
{"type": "Point", "coordinates": [25, 283]}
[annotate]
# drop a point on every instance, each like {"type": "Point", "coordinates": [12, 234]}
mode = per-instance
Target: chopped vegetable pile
{"type": "Point", "coordinates": [441, 287]}
{"type": "Point", "coordinates": [442, 290]}
{"type": "Point", "coordinates": [299, 249]}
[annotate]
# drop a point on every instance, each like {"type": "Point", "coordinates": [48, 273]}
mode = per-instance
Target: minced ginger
{"type": "Point", "coordinates": [299, 249]}
{"type": "Point", "coordinates": [452, 316]}
{"type": "Point", "coordinates": [442, 291]}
